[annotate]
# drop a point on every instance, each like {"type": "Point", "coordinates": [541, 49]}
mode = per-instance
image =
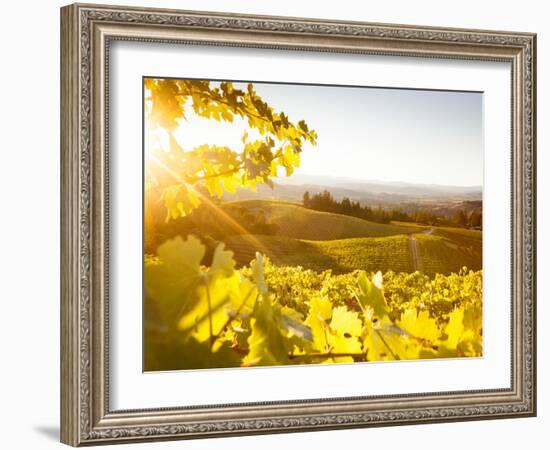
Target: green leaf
{"type": "Point", "coordinates": [170, 280]}
{"type": "Point", "coordinates": [208, 315]}
{"type": "Point", "coordinates": [258, 273]}
{"type": "Point", "coordinates": [223, 263]}
{"type": "Point", "coordinates": [268, 344]}
{"type": "Point", "coordinates": [370, 295]}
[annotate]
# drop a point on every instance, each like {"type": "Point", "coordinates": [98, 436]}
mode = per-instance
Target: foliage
{"type": "Point", "coordinates": [325, 201]}
{"type": "Point", "coordinates": [218, 316]}
{"type": "Point", "coordinates": [295, 221]}
{"type": "Point", "coordinates": [184, 178]}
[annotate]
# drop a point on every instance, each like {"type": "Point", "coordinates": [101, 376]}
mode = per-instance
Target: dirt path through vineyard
{"type": "Point", "coordinates": [416, 259]}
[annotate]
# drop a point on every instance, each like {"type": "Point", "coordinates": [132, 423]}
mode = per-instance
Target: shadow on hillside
{"type": "Point", "coordinates": [282, 251]}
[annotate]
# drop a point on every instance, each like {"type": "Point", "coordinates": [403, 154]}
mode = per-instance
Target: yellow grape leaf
{"type": "Point", "coordinates": [268, 346]}
{"type": "Point", "coordinates": [321, 307]}
{"type": "Point", "coordinates": [290, 159]}
{"type": "Point", "coordinates": [182, 258]}
{"type": "Point", "coordinates": [223, 296]}
{"type": "Point", "coordinates": [231, 182]}
{"type": "Point", "coordinates": [214, 186]}
{"type": "Point", "coordinates": [455, 328]}
{"type": "Point", "coordinates": [216, 288]}
{"type": "Point", "coordinates": [440, 351]}
{"type": "Point", "coordinates": [470, 344]}
{"type": "Point", "coordinates": [344, 328]}
{"type": "Point", "coordinates": [402, 347]}
{"type": "Point", "coordinates": [242, 296]}
{"type": "Point", "coordinates": [374, 341]}
{"type": "Point", "coordinates": [419, 324]}
{"type": "Point", "coordinates": [472, 318]}
{"type": "Point", "coordinates": [375, 347]}
{"type": "Point", "coordinates": [208, 315]}
{"type": "Point", "coordinates": [342, 344]}
{"type": "Point", "coordinates": [258, 273]}
{"type": "Point", "coordinates": [170, 279]}
{"type": "Point", "coordinates": [385, 341]}
{"type": "Point", "coordinates": [179, 201]}
{"type": "Point", "coordinates": [320, 311]}
{"type": "Point", "coordinates": [345, 322]}
{"type": "Point", "coordinates": [223, 263]}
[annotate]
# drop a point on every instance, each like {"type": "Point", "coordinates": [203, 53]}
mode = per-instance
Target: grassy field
{"type": "Point", "coordinates": [297, 222]}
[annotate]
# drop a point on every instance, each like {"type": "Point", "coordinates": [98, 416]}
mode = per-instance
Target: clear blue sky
{"type": "Point", "coordinates": [428, 137]}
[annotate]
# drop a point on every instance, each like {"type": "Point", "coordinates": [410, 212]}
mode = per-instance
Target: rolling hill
{"type": "Point", "coordinates": [295, 221]}
{"type": "Point", "coordinates": [292, 235]}
{"type": "Point", "coordinates": [322, 241]}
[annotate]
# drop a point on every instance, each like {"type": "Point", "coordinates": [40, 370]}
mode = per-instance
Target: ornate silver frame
{"type": "Point", "coordinates": [86, 31]}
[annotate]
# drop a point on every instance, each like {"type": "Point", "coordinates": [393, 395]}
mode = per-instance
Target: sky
{"type": "Point", "coordinates": [413, 136]}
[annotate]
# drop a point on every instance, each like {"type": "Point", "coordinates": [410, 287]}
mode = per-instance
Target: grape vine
{"type": "Point", "coordinates": [265, 315]}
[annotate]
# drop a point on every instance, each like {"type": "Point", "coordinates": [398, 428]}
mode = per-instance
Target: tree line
{"type": "Point", "coordinates": [324, 201]}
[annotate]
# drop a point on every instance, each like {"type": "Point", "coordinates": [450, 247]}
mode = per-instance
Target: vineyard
{"type": "Point", "coordinates": [325, 241]}
{"type": "Point", "coordinates": [264, 315]}
{"type": "Point", "coordinates": [266, 282]}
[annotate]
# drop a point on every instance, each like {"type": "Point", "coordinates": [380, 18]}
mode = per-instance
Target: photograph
{"type": "Point", "coordinates": [290, 224]}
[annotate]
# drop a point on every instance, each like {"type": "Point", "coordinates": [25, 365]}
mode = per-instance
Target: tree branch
{"type": "Point", "coordinates": [235, 109]}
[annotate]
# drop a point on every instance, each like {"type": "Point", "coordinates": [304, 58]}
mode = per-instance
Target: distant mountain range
{"type": "Point", "coordinates": [371, 193]}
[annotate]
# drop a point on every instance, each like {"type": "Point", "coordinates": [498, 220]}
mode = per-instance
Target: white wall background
{"type": "Point", "coordinates": [29, 225]}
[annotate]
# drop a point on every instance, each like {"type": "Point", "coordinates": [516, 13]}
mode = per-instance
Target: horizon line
{"type": "Point", "coordinates": [343, 177]}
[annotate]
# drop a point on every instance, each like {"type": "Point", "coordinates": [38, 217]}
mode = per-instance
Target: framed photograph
{"type": "Point", "coordinates": [279, 224]}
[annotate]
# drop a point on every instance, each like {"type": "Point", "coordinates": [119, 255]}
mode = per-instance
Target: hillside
{"type": "Point", "coordinates": [437, 254]}
{"type": "Point", "coordinates": [342, 255]}
{"type": "Point", "coordinates": [295, 221]}
{"type": "Point", "coordinates": [292, 235]}
{"type": "Point", "coordinates": [433, 250]}
{"type": "Point", "coordinates": [449, 249]}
